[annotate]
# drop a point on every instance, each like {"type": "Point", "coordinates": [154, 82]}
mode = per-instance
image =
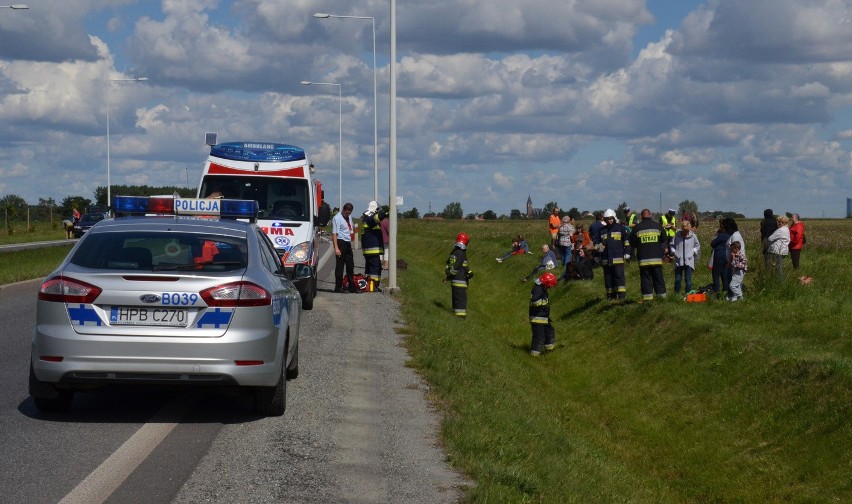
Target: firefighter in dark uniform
{"type": "Point", "coordinates": [649, 242]}
{"type": "Point", "coordinates": [458, 273]}
{"type": "Point", "coordinates": [612, 250]}
{"type": "Point", "coordinates": [372, 245]}
{"type": "Point", "coordinates": [543, 334]}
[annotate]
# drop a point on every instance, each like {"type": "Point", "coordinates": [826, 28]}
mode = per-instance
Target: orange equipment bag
{"type": "Point", "coordinates": [699, 297]}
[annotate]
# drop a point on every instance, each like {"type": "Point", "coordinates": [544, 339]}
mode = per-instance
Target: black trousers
{"type": "Point", "coordinates": [460, 301]}
{"type": "Point", "coordinates": [348, 260]}
{"type": "Point", "coordinates": [373, 266]}
{"type": "Point", "coordinates": [614, 281]}
{"type": "Point", "coordinates": [542, 334]}
{"type": "Point", "coordinates": [651, 281]}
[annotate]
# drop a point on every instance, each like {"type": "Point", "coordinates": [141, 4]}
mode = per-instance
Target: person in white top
{"type": "Point", "coordinates": [779, 246]}
{"type": "Point", "coordinates": [341, 237]}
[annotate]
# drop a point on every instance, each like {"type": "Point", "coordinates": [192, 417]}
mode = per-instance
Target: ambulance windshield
{"type": "Point", "coordinates": [279, 198]}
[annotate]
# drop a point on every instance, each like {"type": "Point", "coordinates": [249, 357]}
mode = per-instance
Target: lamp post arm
{"type": "Point", "coordinates": [324, 15]}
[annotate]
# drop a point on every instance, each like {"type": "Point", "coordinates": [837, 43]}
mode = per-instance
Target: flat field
{"type": "Point", "coordinates": [663, 401]}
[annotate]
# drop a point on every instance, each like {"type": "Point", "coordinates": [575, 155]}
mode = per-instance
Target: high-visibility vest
{"type": "Point", "coordinates": [669, 232]}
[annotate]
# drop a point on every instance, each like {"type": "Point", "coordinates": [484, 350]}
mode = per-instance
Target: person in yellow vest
{"type": "Point", "coordinates": [629, 223]}
{"type": "Point", "coordinates": [669, 224]}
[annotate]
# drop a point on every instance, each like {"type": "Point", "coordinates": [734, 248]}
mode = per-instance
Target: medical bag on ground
{"type": "Point", "coordinates": [362, 283]}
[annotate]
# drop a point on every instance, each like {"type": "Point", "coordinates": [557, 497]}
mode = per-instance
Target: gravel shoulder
{"type": "Point", "coordinates": [358, 427]}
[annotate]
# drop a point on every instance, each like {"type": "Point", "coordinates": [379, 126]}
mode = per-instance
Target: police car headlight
{"type": "Point", "coordinates": [299, 253]}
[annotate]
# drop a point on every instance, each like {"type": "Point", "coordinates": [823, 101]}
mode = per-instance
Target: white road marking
{"type": "Point", "coordinates": [103, 481]}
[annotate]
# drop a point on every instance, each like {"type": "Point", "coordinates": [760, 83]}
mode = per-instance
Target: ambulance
{"type": "Point", "coordinates": [291, 210]}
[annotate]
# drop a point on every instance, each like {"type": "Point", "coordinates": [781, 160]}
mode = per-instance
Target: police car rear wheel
{"type": "Point", "coordinates": [272, 401]}
{"type": "Point", "coordinates": [293, 368]}
{"type": "Point", "coordinates": [59, 403]}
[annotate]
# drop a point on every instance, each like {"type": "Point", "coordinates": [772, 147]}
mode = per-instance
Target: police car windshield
{"type": "Point", "coordinates": [278, 197]}
{"type": "Point", "coordinates": [155, 251]}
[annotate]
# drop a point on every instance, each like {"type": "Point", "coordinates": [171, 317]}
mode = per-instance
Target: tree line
{"type": "Point", "coordinates": [454, 211]}
{"type": "Point", "coordinates": [16, 208]}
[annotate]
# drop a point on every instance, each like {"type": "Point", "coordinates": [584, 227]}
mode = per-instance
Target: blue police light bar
{"type": "Point", "coordinates": [257, 151]}
{"type": "Point", "coordinates": [230, 208]}
{"type": "Point", "coordinates": [142, 205]}
{"type": "Point", "coordinates": [239, 209]}
{"type": "Point", "coordinates": [131, 204]}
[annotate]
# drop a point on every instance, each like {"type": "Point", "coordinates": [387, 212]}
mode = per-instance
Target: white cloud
{"type": "Point", "coordinates": [503, 181]}
{"type": "Point", "coordinates": [523, 97]}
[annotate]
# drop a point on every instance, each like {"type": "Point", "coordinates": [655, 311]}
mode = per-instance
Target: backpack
{"type": "Point", "coordinates": [362, 283]}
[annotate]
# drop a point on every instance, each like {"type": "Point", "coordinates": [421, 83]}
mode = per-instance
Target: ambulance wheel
{"type": "Point", "coordinates": [308, 298]}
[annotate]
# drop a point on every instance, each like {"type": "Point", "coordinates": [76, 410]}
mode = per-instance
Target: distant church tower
{"type": "Point", "coordinates": [529, 206]}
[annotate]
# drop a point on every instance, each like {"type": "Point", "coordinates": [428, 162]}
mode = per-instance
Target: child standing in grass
{"type": "Point", "coordinates": [738, 265]}
{"type": "Point", "coordinates": [543, 334]}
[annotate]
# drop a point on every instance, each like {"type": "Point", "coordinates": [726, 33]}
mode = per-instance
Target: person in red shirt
{"type": "Point", "coordinates": [797, 239]}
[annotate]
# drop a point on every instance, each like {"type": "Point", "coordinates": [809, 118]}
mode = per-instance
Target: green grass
{"type": "Point", "coordinates": [29, 264]}
{"type": "Point", "coordinates": [17, 232]}
{"type": "Point", "coordinates": [654, 402]}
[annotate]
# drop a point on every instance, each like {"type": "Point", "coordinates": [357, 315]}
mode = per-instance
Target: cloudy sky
{"type": "Point", "coordinates": [735, 104]}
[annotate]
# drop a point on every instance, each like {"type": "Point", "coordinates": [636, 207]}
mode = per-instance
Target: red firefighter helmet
{"type": "Point", "coordinates": [548, 280]}
{"type": "Point", "coordinates": [462, 238]}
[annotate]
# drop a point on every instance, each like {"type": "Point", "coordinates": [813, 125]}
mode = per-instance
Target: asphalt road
{"type": "Point", "coordinates": [357, 428]}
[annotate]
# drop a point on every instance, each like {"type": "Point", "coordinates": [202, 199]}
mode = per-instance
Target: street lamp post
{"type": "Point", "coordinates": [109, 84]}
{"type": "Point", "coordinates": [15, 7]}
{"type": "Point", "coordinates": [339, 135]}
{"type": "Point", "coordinates": [323, 15]}
{"type": "Point", "coordinates": [392, 153]}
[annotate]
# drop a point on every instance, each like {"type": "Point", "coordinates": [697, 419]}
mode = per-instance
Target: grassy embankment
{"type": "Point", "coordinates": [656, 402]}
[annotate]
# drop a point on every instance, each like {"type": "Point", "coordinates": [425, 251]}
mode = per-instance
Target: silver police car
{"type": "Point", "coordinates": [168, 299]}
